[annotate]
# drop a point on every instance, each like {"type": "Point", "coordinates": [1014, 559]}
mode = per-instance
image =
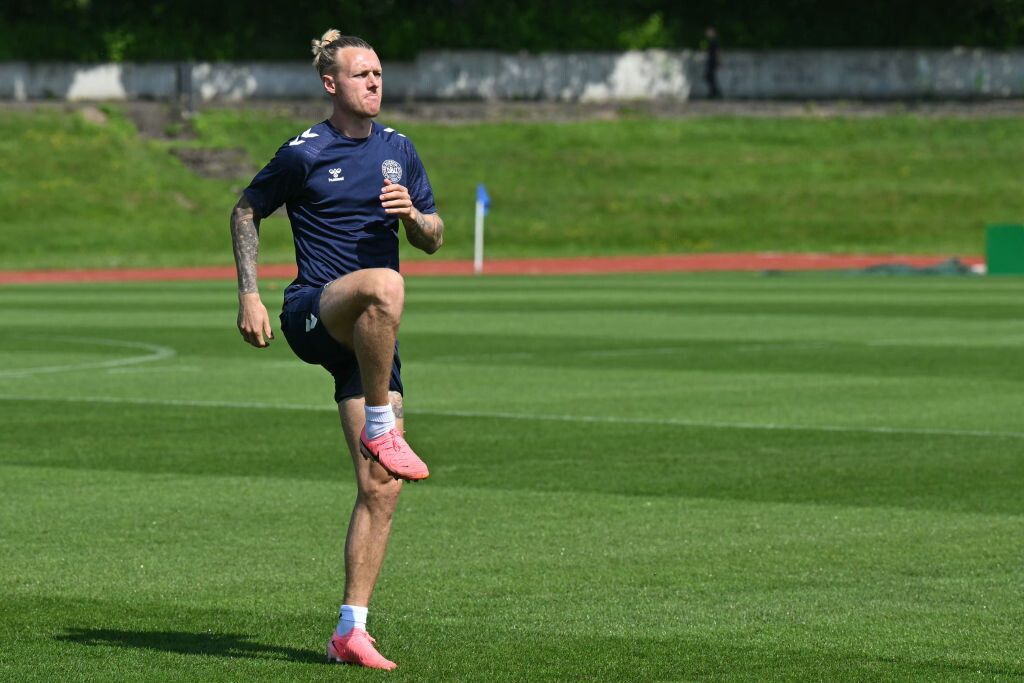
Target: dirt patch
{"type": "Point", "coordinates": [170, 123]}
{"type": "Point", "coordinates": [159, 120]}
{"type": "Point", "coordinates": [462, 113]}
{"type": "Point", "coordinates": [165, 121]}
{"type": "Point", "coordinates": [222, 164]}
{"type": "Point", "coordinates": [475, 112]}
{"type": "Point", "coordinates": [94, 115]}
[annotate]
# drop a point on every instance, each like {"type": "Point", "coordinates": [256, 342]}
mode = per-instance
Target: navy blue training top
{"type": "Point", "coordinates": [331, 185]}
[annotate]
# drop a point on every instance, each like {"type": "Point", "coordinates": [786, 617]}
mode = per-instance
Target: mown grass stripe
{"type": "Point", "coordinates": [156, 352]}
{"type": "Point", "coordinates": [500, 415]}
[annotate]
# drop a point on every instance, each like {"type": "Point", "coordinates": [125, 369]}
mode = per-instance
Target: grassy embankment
{"type": "Point", "coordinates": [76, 194]}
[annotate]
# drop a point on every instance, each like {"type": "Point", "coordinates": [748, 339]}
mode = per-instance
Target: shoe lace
{"type": "Point", "coordinates": [395, 442]}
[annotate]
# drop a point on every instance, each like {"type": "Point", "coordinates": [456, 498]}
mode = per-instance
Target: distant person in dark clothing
{"type": "Point", "coordinates": [711, 63]}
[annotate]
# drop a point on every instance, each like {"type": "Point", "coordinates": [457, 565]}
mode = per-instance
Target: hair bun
{"type": "Point", "coordinates": [326, 39]}
{"type": "Point", "coordinates": [331, 35]}
{"type": "Point", "coordinates": [325, 49]}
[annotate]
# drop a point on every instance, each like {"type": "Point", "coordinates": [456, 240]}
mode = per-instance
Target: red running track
{"type": "Point", "coordinates": [691, 263]}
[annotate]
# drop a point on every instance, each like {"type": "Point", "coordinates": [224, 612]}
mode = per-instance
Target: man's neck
{"type": "Point", "coordinates": [351, 126]}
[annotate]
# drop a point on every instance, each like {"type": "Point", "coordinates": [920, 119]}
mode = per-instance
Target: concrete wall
{"type": "Point", "coordinates": [586, 77]}
{"type": "Point", "coordinates": [873, 74]}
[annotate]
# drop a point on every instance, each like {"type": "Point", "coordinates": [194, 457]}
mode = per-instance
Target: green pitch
{"type": "Point", "coordinates": [661, 477]}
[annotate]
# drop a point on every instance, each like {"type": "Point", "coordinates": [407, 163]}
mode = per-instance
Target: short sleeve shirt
{"type": "Point", "coordinates": [331, 186]}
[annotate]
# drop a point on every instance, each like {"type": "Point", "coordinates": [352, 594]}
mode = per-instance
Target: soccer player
{"type": "Point", "coordinates": [347, 182]}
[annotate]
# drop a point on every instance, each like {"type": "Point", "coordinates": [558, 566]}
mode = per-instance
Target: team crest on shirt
{"type": "Point", "coordinates": [392, 170]}
{"type": "Point", "coordinates": [335, 175]}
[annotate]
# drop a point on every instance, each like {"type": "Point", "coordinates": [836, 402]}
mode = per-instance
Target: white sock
{"type": "Point", "coordinates": [350, 617]}
{"type": "Point", "coordinates": [379, 419]}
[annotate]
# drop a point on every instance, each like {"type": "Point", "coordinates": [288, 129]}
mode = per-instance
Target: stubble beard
{"type": "Point", "coordinates": [362, 108]}
{"type": "Point", "coordinates": [373, 109]}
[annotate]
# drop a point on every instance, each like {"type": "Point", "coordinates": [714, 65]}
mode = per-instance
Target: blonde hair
{"type": "Point", "coordinates": [326, 49]}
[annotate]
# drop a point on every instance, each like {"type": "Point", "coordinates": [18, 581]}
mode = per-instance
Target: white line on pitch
{"type": "Point", "coordinates": [160, 368]}
{"type": "Point", "coordinates": [171, 402]}
{"type": "Point", "coordinates": [611, 353]}
{"type": "Point", "coordinates": [156, 352]}
{"type": "Point", "coordinates": [718, 425]}
{"type": "Point", "coordinates": [528, 417]}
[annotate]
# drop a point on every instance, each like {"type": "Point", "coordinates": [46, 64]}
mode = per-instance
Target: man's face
{"type": "Point", "coordinates": [357, 83]}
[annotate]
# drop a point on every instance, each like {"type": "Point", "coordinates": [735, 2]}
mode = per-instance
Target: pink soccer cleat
{"type": "Point", "coordinates": [393, 453]}
{"type": "Point", "coordinates": [357, 647]}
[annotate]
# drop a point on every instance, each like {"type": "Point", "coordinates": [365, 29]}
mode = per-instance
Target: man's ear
{"type": "Point", "coordinates": [329, 84]}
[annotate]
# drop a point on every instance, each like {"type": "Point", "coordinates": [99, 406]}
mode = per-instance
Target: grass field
{"type": "Point", "coordinates": [650, 477]}
{"type": "Point", "coordinates": [80, 194]}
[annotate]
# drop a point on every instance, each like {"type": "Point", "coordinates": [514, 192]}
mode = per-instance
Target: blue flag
{"type": "Point", "coordinates": [483, 198]}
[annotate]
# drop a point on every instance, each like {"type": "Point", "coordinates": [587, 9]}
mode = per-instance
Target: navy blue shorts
{"type": "Point", "coordinates": [306, 334]}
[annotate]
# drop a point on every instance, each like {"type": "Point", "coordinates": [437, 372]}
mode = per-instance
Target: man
{"type": "Point", "coordinates": [711, 63]}
{"type": "Point", "coordinates": [347, 183]}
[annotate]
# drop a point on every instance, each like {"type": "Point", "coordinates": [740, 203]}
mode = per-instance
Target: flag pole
{"type": "Point", "coordinates": [478, 241]}
{"type": "Point", "coordinates": [483, 201]}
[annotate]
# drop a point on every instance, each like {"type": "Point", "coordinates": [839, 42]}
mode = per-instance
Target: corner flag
{"type": "Point", "coordinates": [483, 205]}
{"type": "Point", "coordinates": [483, 198]}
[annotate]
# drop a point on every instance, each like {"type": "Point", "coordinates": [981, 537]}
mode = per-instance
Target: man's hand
{"type": "Point", "coordinates": [253, 320]}
{"type": "Point", "coordinates": [425, 231]}
{"type": "Point", "coordinates": [396, 200]}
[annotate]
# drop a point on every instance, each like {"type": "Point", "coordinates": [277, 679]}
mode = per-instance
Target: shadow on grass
{"type": "Point", "coordinates": [209, 644]}
{"type": "Point", "coordinates": [487, 656]}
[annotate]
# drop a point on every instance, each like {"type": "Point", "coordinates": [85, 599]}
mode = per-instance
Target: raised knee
{"type": "Point", "coordinates": [387, 291]}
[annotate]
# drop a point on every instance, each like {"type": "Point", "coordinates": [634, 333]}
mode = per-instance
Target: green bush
{"type": "Point", "coordinates": [85, 30]}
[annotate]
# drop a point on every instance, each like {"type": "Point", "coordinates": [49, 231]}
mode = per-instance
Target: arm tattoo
{"type": "Point", "coordinates": [245, 237]}
{"type": "Point", "coordinates": [425, 232]}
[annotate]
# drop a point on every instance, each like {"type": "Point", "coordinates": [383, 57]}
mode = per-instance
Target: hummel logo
{"type": "Point", "coordinates": [299, 139]}
{"type": "Point", "coordinates": [310, 322]}
{"type": "Point", "coordinates": [335, 173]}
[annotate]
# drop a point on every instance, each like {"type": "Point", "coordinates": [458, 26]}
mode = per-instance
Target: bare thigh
{"type": "Point", "coordinates": [348, 297]}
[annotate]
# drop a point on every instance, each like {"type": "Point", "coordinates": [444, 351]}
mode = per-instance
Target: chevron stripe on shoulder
{"type": "Point", "coordinates": [302, 137]}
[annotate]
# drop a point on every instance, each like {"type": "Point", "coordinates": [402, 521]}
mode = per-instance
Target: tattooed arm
{"type": "Point", "coordinates": [253, 320]}
{"type": "Point", "coordinates": [424, 230]}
